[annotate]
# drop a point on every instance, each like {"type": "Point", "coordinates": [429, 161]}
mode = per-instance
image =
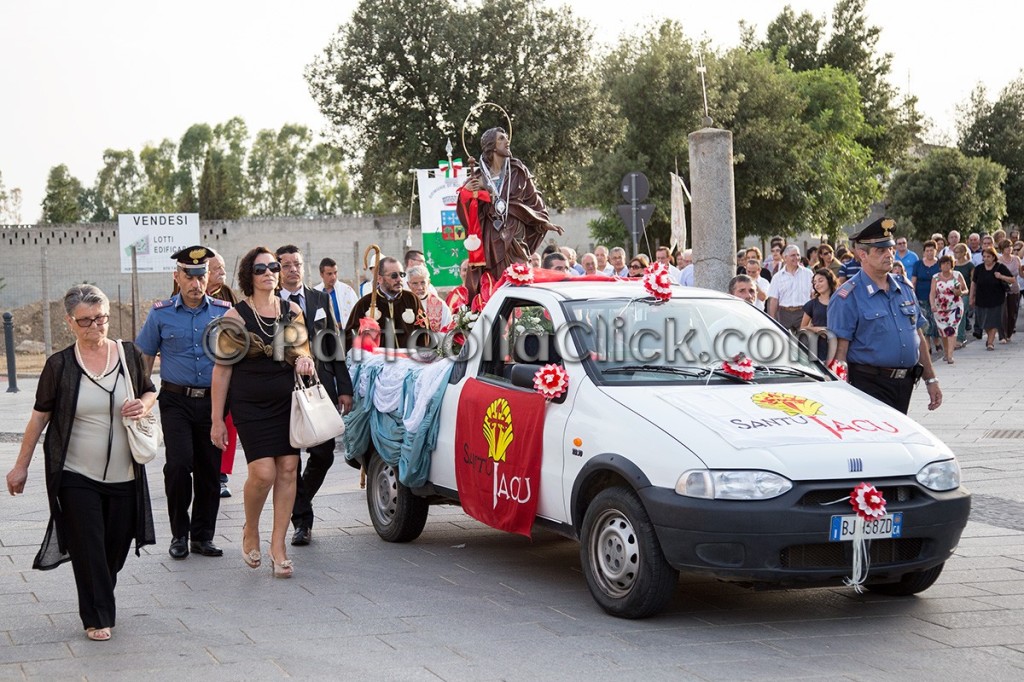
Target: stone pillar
{"type": "Point", "coordinates": [713, 212]}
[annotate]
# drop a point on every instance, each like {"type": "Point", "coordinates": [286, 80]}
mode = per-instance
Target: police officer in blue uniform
{"type": "Point", "coordinates": [174, 329]}
{"type": "Point", "coordinates": [876, 320]}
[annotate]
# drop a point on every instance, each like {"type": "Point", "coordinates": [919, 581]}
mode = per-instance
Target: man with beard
{"type": "Point", "coordinates": [398, 313]}
{"type": "Point", "coordinates": [503, 213]}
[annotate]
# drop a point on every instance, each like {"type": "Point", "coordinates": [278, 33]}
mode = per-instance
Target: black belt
{"type": "Point", "coordinates": [888, 372]}
{"type": "Point", "coordinates": [188, 391]}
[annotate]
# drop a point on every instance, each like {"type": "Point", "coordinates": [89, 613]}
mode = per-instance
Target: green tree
{"type": "Point", "coordinates": [890, 126]}
{"type": "Point", "coordinates": [160, 171]}
{"type": "Point", "coordinates": [995, 130]}
{"type": "Point", "coordinates": [399, 78]}
{"type": "Point", "coordinates": [61, 204]}
{"type": "Point", "coordinates": [191, 155]}
{"type": "Point", "coordinates": [948, 190]}
{"type": "Point", "coordinates": [273, 178]}
{"type": "Point", "coordinates": [327, 184]}
{"type": "Point", "coordinates": [119, 183]}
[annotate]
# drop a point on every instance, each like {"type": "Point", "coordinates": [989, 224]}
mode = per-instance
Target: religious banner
{"type": "Point", "coordinates": [443, 235]}
{"type": "Point", "coordinates": [499, 442]}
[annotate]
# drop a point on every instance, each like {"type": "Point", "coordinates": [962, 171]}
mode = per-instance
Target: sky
{"type": "Point", "coordinates": [80, 77]}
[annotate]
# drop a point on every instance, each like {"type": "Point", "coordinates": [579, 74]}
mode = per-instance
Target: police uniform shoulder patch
{"type": "Point", "coordinates": [219, 302]}
{"type": "Point", "coordinates": [166, 303]}
{"type": "Point", "coordinates": [846, 289]}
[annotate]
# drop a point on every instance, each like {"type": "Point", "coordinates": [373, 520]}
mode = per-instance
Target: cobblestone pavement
{"type": "Point", "coordinates": [465, 602]}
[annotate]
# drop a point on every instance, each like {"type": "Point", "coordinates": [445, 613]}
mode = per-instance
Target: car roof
{"type": "Point", "coordinates": [571, 290]}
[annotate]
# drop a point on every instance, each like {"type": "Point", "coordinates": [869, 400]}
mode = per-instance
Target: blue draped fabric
{"type": "Point", "coordinates": [398, 446]}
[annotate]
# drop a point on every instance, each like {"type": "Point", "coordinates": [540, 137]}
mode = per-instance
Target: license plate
{"type": "Point", "coordinates": [888, 526]}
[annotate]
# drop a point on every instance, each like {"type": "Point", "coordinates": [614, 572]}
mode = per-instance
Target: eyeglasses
{"type": "Point", "coordinates": [86, 322]}
{"type": "Point", "coordinates": [634, 266]}
{"type": "Point", "coordinates": [261, 268]}
{"type": "Point", "coordinates": [395, 275]}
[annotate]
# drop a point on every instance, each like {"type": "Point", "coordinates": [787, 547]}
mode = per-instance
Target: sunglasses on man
{"type": "Point", "coordinates": [395, 275]}
{"type": "Point", "coordinates": [261, 268]}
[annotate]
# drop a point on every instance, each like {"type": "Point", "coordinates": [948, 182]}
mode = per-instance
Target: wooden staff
{"type": "Point", "coordinates": [376, 275]}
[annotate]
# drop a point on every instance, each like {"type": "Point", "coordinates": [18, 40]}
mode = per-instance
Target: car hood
{"type": "Point", "coordinates": [801, 430]}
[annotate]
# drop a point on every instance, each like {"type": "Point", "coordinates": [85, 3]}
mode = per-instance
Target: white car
{"type": "Point", "coordinates": [658, 461]}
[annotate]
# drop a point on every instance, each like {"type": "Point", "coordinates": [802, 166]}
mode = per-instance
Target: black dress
{"type": "Point", "coordinates": [260, 395]}
{"type": "Point", "coordinates": [818, 312]}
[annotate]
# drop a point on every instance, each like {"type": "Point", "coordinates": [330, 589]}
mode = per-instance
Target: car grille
{"type": "Point", "coordinates": [825, 496]}
{"type": "Point", "coordinates": [840, 554]}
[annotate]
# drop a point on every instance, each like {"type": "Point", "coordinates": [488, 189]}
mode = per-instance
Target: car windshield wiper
{"type": "Point", "coordinates": [665, 369]}
{"type": "Point", "coordinates": [719, 372]}
{"type": "Point", "coordinates": [791, 371]}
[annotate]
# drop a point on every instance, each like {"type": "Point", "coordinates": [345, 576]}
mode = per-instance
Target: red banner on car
{"type": "Point", "coordinates": [499, 437]}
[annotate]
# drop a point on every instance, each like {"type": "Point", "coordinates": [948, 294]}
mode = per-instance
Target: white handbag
{"type": "Point", "coordinates": [315, 418]}
{"type": "Point", "coordinates": [144, 432]}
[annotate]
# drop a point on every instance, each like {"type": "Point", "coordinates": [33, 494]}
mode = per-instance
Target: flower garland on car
{"type": "Point", "coordinates": [456, 332]}
{"type": "Point", "coordinates": [838, 367]}
{"type": "Point", "coordinates": [657, 281]}
{"type": "Point", "coordinates": [739, 366]}
{"type": "Point", "coordinates": [551, 381]}
{"type": "Point", "coordinates": [869, 504]}
{"type": "Point", "coordinates": [519, 274]}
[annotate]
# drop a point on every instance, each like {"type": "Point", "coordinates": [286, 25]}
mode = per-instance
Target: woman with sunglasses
{"type": "Point", "coordinates": [637, 266]}
{"type": "Point", "coordinates": [99, 498]}
{"type": "Point", "coordinates": [257, 383]}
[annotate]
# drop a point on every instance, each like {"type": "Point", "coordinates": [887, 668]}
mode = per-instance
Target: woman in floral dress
{"type": "Point", "coordinates": [947, 305]}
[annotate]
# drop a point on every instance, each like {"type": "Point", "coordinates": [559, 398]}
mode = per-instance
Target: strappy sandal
{"type": "Point", "coordinates": [252, 558]}
{"type": "Point", "coordinates": [989, 346]}
{"type": "Point", "coordinates": [281, 569]}
{"type": "Point", "coordinates": [98, 634]}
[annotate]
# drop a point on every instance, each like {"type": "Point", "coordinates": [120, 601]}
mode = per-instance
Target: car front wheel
{"type": "Point", "coordinates": [622, 559]}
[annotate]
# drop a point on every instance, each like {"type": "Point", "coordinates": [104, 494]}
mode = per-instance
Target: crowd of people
{"type": "Point", "coordinates": [99, 497]}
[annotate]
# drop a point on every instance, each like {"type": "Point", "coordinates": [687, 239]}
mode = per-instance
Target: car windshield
{"type": "Point", "coordinates": [630, 341]}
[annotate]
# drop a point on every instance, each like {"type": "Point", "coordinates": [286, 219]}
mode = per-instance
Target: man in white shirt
{"type": "Point", "coordinates": [343, 297]}
{"type": "Point", "coordinates": [601, 254]}
{"type": "Point", "coordinates": [954, 239]}
{"type": "Point", "coordinates": [790, 288]}
{"type": "Point", "coordinates": [617, 262]}
{"type": "Point", "coordinates": [664, 256]}
{"type": "Point", "coordinates": [686, 274]}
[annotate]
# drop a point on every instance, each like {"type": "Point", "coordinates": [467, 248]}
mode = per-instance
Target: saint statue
{"type": "Point", "coordinates": [503, 215]}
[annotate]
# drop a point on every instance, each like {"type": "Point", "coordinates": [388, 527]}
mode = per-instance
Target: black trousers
{"type": "Point", "coordinates": [99, 520]}
{"type": "Point", "coordinates": [318, 463]}
{"type": "Point", "coordinates": [193, 464]}
{"type": "Point", "coordinates": [893, 392]}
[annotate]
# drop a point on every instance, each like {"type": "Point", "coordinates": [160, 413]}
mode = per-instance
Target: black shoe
{"type": "Point", "coordinates": [179, 548]}
{"type": "Point", "coordinates": [224, 490]}
{"type": "Point", "coordinates": [302, 536]}
{"type": "Point", "coordinates": [206, 548]}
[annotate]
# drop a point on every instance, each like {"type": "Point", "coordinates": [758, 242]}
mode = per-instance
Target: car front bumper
{"type": "Point", "coordinates": [786, 540]}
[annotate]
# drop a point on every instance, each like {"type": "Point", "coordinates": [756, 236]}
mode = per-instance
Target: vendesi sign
{"type": "Point", "coordinates": [155, 237]}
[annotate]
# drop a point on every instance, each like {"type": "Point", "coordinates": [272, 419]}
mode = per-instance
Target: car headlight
{"type": "Point", "coordinates": [944, 475]}
{"type": "Point", "coordinates": [732, 485]}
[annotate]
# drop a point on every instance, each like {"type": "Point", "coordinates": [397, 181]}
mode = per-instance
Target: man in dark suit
{"type": "Point", "coordinates": [328, 351]}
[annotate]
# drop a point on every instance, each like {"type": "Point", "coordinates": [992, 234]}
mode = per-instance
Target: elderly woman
{"type": "Point", "coordinates": [988, 294]}
{"type": "Point", "coordinates": [99, 498]}
{"type": "Point", "coordinates": [258, 386]}
{"type": "Point", "coordinates": [946, 299]}
{"type": "Point", "coordinates": [439, 315]}
{"type": "Point", "coordinates": [1012, 307]}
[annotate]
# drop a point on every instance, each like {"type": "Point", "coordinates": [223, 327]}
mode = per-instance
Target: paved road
{"type": "Point", "coordinates": [465, 602]}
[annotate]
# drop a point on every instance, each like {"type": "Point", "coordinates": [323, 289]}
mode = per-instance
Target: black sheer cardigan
{"type": "Point", "coordinates": [57, 393]}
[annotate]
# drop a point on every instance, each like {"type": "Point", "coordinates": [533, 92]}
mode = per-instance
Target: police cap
{"type": "Point", "coordinates": [192, 260]}
{"type": "Point", "coordinates": [877, 233]}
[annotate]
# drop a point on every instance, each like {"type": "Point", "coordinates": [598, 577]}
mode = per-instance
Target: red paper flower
{"type": "Point", "coordinates": [519, 274]}
{"type": "Point", "coordinates": [740, 366]}
{"type": "Point", "coordinates": [551, 381]}
{"type": "Point", "coordinates": [867, 501]}
{"type": "Point", "coordinates": [657, 281]}
{"type": "Point", "coordinates": [839, 369]}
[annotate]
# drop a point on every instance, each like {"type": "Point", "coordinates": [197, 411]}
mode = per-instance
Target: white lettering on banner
{"type": "Point", "coordinates": [513, 488]}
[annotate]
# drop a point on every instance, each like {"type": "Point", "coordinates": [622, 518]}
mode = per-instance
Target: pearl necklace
{"type": "Point", "coordinates": [259, 321]}
{"type": "Point", "coordinates": [85, 370]}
